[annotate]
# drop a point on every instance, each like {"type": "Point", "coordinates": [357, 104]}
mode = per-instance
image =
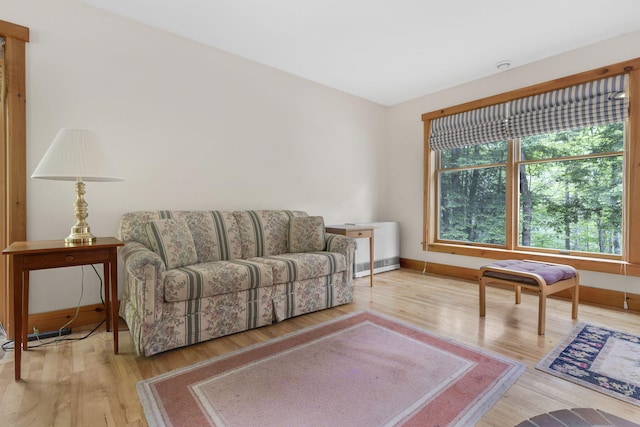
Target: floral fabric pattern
{"type": "Point", "coordinates": [265, 233]}
{"type": "Point", "coordinates": [216, 316]}
{"type": "Point", "coordinates": [133, 226]}
{"type": "Point", "coordinates": [599, 358]}
{"type": "Point", "coordinates": [215, 278]}
{"type": "Point", "coordinates": [301, 266]}
{"type": "Point", "coordinates": [306, 234]}
{"type": "Point", "coordinates": [171, 239]}
{"type": "Point", "coordinates": [215, 233]}
{"type": "Point", "coordinates": [306, 296]}
{"type": "Point", "coordinates": [238, 275]}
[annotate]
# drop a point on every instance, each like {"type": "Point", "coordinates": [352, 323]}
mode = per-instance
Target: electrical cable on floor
{"type": "Point", "coordinates": [8, 345]}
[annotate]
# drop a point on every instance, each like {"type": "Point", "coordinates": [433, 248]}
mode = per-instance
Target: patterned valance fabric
{"type": "Point", "coordinates": [474, 127]}
{"type": "Point", "coordinates": [589, 104]}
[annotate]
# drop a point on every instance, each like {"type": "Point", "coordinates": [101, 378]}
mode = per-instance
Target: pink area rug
{"type": "Point", "coordinates": [362, 369]}
{"type": "Point", "coordinates": [598, 358]}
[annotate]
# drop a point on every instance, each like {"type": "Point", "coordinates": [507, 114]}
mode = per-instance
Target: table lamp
{"type": "Point", "coordinates": [76, 155]}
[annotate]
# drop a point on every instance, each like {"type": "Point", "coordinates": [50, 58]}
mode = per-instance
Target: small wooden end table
{"type": "Point", "coordinates": [358, 232]}
{"type": "Point", "coordinates": [39, 255]}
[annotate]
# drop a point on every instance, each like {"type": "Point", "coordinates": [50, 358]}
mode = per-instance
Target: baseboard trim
{"type": "Point", "coordinates": [92, 314]}
{"type": "Point", "coordinates": [596, 296]}
{"type": "Point", "coordinates": [54, 320]}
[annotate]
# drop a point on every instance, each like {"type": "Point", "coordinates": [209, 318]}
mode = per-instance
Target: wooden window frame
{"type": "Point", "coordinates": [630, 265]}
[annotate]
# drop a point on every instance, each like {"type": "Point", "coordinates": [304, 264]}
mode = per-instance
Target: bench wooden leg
{"type": "Point", "coordinates": [518, 294]}
{"type": "Point", "coordinates": [482, 288]}
{"type": "Point", "coordinates": [575, 299]}
{"type": "Point", "coordinates": [542, 309]}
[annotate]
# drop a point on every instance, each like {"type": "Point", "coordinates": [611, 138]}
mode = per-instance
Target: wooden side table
{"type": "Point", "coordinates": [39, 255]}
{"type": "Point", "coordinates": [358, 232]}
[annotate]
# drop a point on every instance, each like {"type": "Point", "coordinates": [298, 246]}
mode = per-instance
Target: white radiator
{"type": "Point", "coordinates": [386, 248]}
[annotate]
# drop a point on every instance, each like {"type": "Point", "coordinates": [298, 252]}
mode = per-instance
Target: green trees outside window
{"type": "Point", "coordinates": [567, 191]}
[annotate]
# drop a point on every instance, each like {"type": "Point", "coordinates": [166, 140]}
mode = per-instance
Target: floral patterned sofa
{"type": "Point", "coordinates": [190, 276]}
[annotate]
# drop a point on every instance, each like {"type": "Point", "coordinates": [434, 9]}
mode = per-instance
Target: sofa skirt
{"type": "Point", "coordinates": [189, 322]}
{"type": "Point", "coordinates": [306, 296]}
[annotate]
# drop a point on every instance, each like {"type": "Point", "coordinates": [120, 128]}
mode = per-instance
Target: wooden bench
{"type": "Point", "coordinates": [540, 277]}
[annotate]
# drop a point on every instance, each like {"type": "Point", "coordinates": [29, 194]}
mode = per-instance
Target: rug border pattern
{"type": "Point", "coordinates": [583, 363]}
{"type": "Point", "coordinates": [467, 415]}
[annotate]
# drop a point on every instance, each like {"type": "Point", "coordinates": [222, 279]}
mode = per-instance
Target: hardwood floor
{"type": "Point", "coordinates": [82, 383]}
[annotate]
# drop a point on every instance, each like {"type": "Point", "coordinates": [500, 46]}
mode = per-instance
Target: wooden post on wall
{"type": "Point", "coordinates": [14, 158]}
{"type": "Point", "coordinates": [633, 226]}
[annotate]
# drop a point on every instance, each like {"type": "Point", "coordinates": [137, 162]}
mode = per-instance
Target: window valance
{"type": "Point", "coordinates": [479, 126]}
{"type": "Point", "coordinates": [592, 103]}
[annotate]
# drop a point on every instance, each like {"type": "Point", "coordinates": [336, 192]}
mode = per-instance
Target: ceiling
{"type": "Point", "coordinates": [388, 51]}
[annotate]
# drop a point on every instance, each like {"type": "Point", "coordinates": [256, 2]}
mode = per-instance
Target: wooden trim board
{"type": "Point", "coordinates": [92, 314]}
{"type": "Point", "coordinates": [596, 296]}
{"type": "Point", "coordinates": [54, 320]}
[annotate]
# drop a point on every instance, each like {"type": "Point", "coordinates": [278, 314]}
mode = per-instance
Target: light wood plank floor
{"type": "Point", "coordinates": [83, 383]}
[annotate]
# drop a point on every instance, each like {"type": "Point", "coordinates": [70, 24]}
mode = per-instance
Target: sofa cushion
{"type": "Point", "coordinates": [133, 226]}
{"type": "Point", "coordinates": [306, 234]}
{"type": "Point", "coordinates": [215, 234]}
{"type": "Point", "coordinates": [172, 240]}
{"type": "Point", "coordinates": [215, 278]}
{"type": "Point", "coordinates": [301, 266]}
{"type": "Point", "coordinates": [265, 232]}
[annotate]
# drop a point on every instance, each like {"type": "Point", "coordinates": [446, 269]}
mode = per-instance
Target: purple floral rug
{"type": "Point", "coordinates": [601, 359]}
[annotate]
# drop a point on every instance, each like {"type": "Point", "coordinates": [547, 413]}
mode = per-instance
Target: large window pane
{"type": "Point", "coordinates": [472, 205]}
{"type": "Point", "coordinates": [591, 140]}
{"type": "Point", "coordinates": [572, 205]}
{"type": "Point", "coordinates": [475, 155]}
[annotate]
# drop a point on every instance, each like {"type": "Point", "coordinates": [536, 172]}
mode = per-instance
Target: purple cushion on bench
{"type": "Point", "coordinates": [551, 273]}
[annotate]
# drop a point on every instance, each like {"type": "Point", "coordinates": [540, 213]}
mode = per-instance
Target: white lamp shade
{"type": "Point", "coordinates": [75, 154]}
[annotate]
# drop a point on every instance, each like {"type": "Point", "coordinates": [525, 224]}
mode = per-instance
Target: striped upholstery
{"type": "Point", "coordinates": [215, 234]}
{"type": "Point", "coordinates": [264, 233]}
{"type": "Point", "coordinates": [305, 296]}
{"type": "Point", "coordinates": [244, 277]}
{"type": "Point", "coordinates": [301, 266]}
{"type": "Point", "coordinates": [215, 278]}
{"type": "Point", "coordinates": [190, 322]}
{"type": "Point", "coordinates": [133, 226]}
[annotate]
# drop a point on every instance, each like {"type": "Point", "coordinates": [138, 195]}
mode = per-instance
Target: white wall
{"type": "Point", "coordinates": [190, 127]}
{"type": "Point", "coordinates": [405, 144]}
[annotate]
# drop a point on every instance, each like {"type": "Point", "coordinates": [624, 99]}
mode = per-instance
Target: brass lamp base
{"type": "Point", "coordinates": [80, 235]}
{"type": "Point", "coordinates": [80, 232]}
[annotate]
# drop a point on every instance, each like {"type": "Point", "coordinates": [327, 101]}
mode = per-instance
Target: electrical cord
{"type": "Point", "coordinates": [8, 345]}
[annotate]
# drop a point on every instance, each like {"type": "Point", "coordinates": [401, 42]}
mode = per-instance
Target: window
{"type": "Point", "coordinates": [569, 189]}
{"type": "Point", "coordinates": [472, 194]}
{"type": "Point", "coordinates": [532, 176]}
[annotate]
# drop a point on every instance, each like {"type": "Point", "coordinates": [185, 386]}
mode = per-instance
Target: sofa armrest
{"type": "Point", "coordinates": [144, 273]}
{"type": "Point", "coordinates": [345, 246]}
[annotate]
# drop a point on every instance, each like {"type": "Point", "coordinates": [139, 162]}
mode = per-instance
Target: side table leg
{"type": "Point", "coordinates": [25, 310]}
{"type": "Point", "coordinates": [17, 313]}
{"type": "Point", "coordinates": [106, 273]}
{"type": "Point", "coordinates": [113, 269]}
